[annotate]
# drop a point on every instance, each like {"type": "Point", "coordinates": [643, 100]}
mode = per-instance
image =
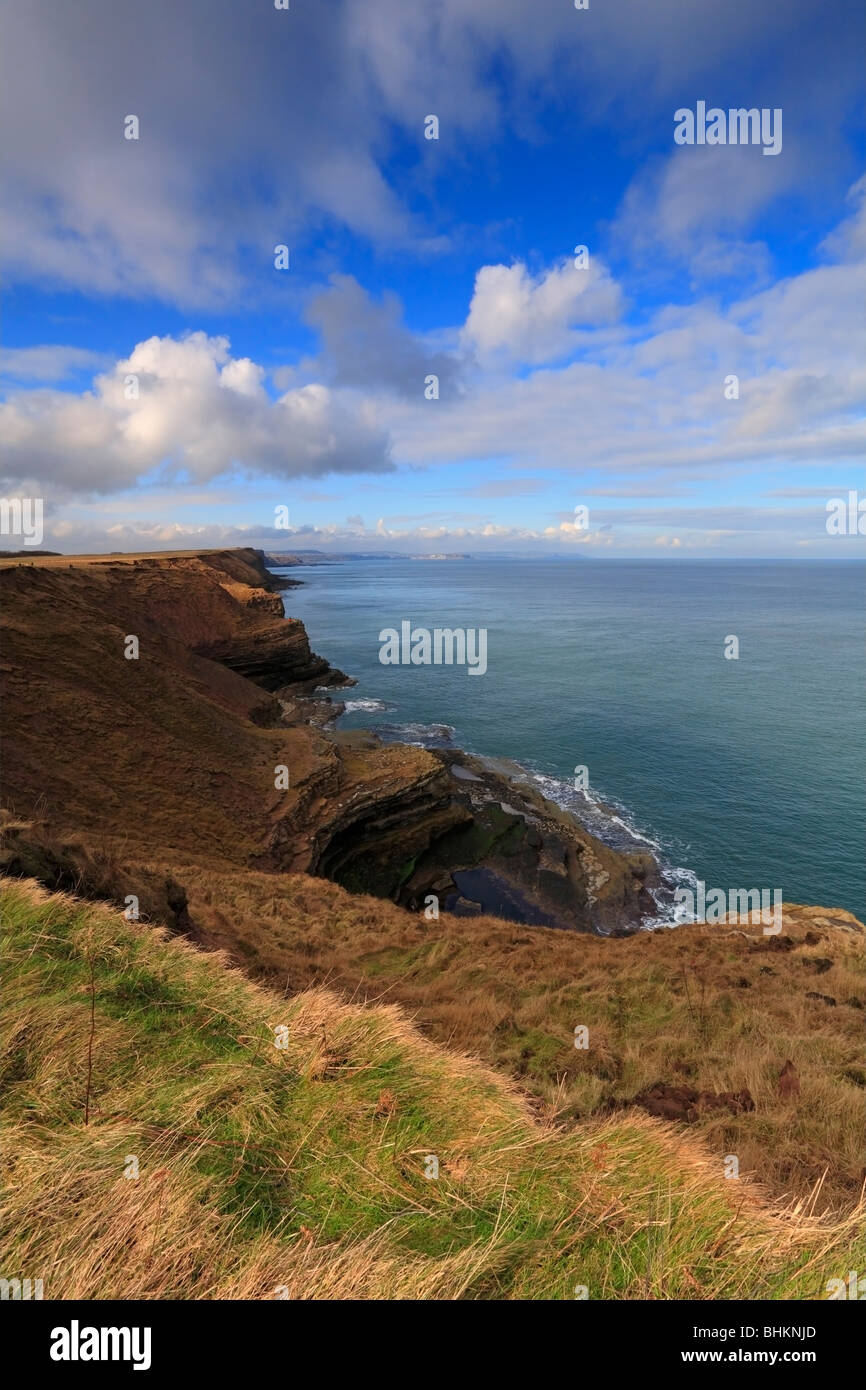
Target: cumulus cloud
{"type": "Point", "coordinates": [185, 408]}
{"type": "Point", "coordinates": [636, 399]}
{"type": "Point", "coordinates": [654, 396]}
{"type": "Point", "coordinates": [641, 400]}
{"type": "Point", "coordinates": [515, 316]}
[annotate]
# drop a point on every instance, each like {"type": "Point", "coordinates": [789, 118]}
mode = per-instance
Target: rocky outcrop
{"type": "Point", "coordinates": [518, 856]}
{"type": "Point", "coordinates": [376, 834]}
{"type": "Point", "coordinates": [687, 1104]}
{"type": "Point", "coordinates": [478, 839]}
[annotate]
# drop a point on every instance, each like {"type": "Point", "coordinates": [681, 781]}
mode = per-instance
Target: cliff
{"type": "Point", "coordinates": [180, 748]}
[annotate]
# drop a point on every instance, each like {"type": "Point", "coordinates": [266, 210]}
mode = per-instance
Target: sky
{"type": "Point", "coordinates": [512, 314]}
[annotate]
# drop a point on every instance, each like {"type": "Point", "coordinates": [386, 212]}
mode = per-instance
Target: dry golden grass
{"type": "Point", "coordinates": [170, 753]}
{"type": "Point", "coordinates": [268, 1172]}
{"type": "Point", "coordinates": [717, 1008]}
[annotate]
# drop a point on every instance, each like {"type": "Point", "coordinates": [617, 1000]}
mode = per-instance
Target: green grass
{"type": "Point", "coordinates": [304, 1166]}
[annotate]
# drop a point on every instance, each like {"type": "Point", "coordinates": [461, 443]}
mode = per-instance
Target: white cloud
{"type": "Point", "coordinates": [697, 531]}
{"type": "Point", "coordinates": [365, 342]}
{"type": "Point", "coordinates": [642, 399]}
{"type": "Point", "coordinates": [653, 397]}
{"type": "Point", "coordinates": [198, 413]}
{"type": "Point", "coordinates": [218, 91]}
{"type": "Point", "coordinates": [513, 316]}
{"type": "Point", "coordinates": [694, 205]}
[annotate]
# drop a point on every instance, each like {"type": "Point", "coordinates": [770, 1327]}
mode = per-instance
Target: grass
{"type": "Point", "coordinates": [299, 1171]}
{"type": "Point", "coordinates": [719, 1009]}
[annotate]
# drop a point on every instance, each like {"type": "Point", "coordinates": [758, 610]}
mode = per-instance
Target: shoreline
{"type": "Point", "coordinates": [612, 823]}
{"type": "Point", "coordinates": [609, 822]}
{"type": "Point", "coordinates": [233, 693]}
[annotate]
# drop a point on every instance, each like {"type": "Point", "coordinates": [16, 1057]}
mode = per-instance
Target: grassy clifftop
{"type": "Point", "coordinates": [299, 1171]}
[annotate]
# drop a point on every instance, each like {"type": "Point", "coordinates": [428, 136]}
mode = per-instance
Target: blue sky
{"type": "Point", "coordinates": [600, 386]}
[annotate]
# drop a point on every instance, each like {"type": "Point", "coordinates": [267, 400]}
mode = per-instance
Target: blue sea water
{"type": "Point", "coordinates": [744, 773]}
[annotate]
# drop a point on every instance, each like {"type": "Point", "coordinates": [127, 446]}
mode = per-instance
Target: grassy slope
{"type": "Point", "coordinates": [718, 1008]}
{"type": "Point", "coordinates": [303, 1167]}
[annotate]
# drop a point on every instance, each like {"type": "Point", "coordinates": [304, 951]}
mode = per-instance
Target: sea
{"type": "Point", "coordinates": [608, 683]}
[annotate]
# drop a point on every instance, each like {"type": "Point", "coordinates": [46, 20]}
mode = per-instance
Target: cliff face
{"type": "Point", "coordinates": [180, 750]}
{"type": "Point", "coordinates": [253, 636]}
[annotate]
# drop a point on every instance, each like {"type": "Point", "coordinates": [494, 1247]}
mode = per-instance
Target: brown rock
{"type": "Point", "coordinates": [738, 1102]}
{"type": "Point", "coordinates": [669, 1102]}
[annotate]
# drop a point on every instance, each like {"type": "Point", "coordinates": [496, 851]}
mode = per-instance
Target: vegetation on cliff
{"type": "Point", "coordinates": [175, 1131]}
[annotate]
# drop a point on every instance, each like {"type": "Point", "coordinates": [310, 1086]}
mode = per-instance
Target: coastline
{"type": "Point", "coordinates": [690, 753]}
{"type": "Point", "coordinates": [233, 692]}
{"type": "Point", "coordinates": [493, 780]}
{"type": "Point", "coordinates": [251, 770]}
{"type": "Point", "coordinates": [612, 824]}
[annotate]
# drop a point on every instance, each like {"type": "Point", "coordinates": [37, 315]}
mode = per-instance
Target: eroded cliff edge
{"type": "Point", "coordinates": [176, 754]}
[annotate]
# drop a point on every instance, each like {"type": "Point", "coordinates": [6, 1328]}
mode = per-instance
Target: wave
{"type": "Point", "coordinates": [353, 706]}
{"type": "Point", "coordinates": [615, 825]}
{"type": "Point", "coordinates": [421, 735]}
